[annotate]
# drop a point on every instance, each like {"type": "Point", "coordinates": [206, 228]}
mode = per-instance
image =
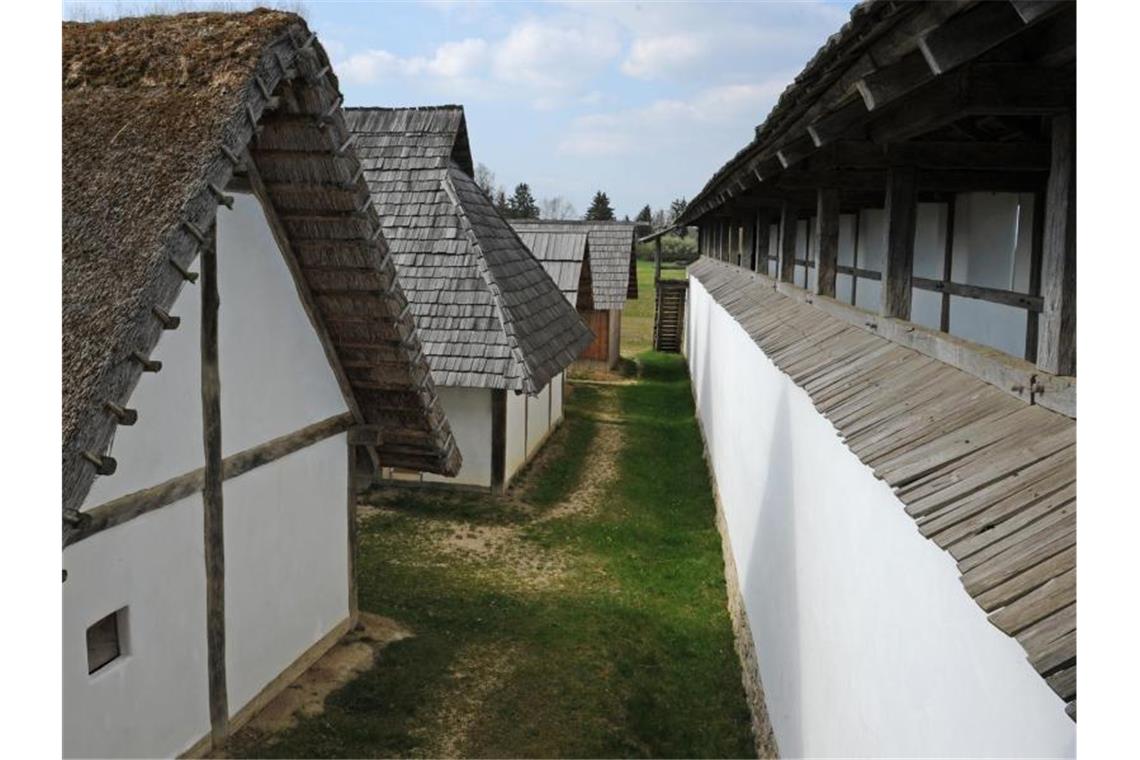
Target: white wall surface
{"type": "Point", "coordinates": [286, 527]}
{"type": "Point", "coordinates": [152, 701]}
{"type": "Point", "coordinates": [516, 434]}
{"type": "Point", "coordinates": [537, 419]}
{"type": "Point", "coordinates": [868, 645]}
{"type": "Point", "coordinates": [274, 374]}
{"type": "Point", "coordinates": [557, 389]}
{"type": "Point", "coordinates": [167, 439]}
{"type": "Point", "coordinates": [469, 412]}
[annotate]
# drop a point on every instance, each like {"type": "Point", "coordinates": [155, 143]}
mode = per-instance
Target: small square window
{"type": "Point", "coordinates": [105, 640]}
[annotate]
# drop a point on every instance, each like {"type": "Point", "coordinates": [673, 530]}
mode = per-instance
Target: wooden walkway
{"type": "Point", "coordinates": [986, 476]}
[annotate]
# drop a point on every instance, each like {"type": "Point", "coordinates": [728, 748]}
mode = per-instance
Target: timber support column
{"type": "Point", "coordinates": [827, 237]}
{"type": "Point", "coordinates": [788, 224]}
{"type": "Point", "coordinates": [1057, 339]}
{"type": "Point", "coordinates": [763, 240]}
{"type": "Point", "coordinates": [212, 517]}
{"type": "Point", "coordinates": [898, 269]}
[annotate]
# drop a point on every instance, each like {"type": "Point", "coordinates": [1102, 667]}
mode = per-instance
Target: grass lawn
{"type": "Point", "coordinates": [637, 317]}
{"type": "Point", "coordinates": [583, 614]}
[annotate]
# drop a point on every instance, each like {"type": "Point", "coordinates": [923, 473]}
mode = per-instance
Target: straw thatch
{"type": "Point", "coordinates": [156, 111]}
{"type": "Point", "coordinates": [489, 315]}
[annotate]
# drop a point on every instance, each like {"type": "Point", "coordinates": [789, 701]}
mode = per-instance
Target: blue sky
{"type": "Point", "coordinates": [642, 100]}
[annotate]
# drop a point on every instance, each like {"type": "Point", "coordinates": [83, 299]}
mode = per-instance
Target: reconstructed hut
{"type": "Point", "coordinates": [892, 258]}
{"type": "Point", "coordinates": [497, 333]}
{"type": "Point", "coordinates": [233, 333]}
{"type": "Point", "coordinates": [613, 271]}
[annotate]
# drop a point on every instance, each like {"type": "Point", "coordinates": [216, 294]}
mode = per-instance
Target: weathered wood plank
{"type": "Point", "coordinates": [1057, 341]}
{"type": "Point", "coordinates": [1042, 601]}
{"type": "Point", "coordinates": [827, 237]}
{"type": "Point", "coordinates": [788, 224]}
{"type": "Point", "coordinates": [1022, 584]}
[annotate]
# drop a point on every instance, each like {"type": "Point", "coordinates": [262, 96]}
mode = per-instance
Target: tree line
{"type": "Point", "coordinates": [521, 204]}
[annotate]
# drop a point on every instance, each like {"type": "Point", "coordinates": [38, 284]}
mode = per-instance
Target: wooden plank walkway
{"type": "Point", "coordinates": [988, 477]}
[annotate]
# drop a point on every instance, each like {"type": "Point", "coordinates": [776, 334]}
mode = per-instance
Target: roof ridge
{"type": "Point", "coordinates": [529, 382]}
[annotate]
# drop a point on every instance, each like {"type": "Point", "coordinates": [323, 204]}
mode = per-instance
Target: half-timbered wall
{"type": "Point", "coordinates": [866, 642]}
{"type": "Point", "coordinates": [537, 420]}
{"type": "Point", "coordinates": [516, 434]}
{"type": "Point", "coordinates": [469, 412]}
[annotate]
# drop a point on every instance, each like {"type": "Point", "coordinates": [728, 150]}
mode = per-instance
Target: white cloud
{"type": "Point", "coordinates": [664, 125]}
{"type": "Point", "coordinates": [653, 57]}
{"type": "Point", "coordinates": [554, 55]}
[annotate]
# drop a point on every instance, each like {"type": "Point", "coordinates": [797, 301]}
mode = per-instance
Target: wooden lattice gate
{"type": "Point", "coordinates": [669, 315]}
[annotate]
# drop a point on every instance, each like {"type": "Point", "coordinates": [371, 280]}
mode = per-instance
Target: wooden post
{"type": "Point", "coordinates": [807, 252]}
{"type": "Point", "coordinates": [901, 209]}
{"type": "Point", "coordinates": [855, 256]}
{"type": "Point", "coordinates": [827, 235]}
{"type": "Point", "coordinates": [353, 474]}
{"type": "Point", "coordinates": [788, 225]}
{"type": "Point", "coordinates": [656, 261]}
{"type": "Point", "coordinates": [1057, 338]}
{"type": "Point", "coordinates": [1031, 319]}
{"type": "Point", "coordinates": [212, 518]}
{"type": "Point", "coordinates": [948, 263]}
{"type": "Point", "coordinates": [763, 241]}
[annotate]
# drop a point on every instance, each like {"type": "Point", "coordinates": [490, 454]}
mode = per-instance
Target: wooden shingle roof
{"type": "Point", "coordinates": [158, 115]}
{"type": "Point", "coordinates": [612, 263]}
{"type": "Point", "coordinates": [986, 476]}
{"type": "Point", "coordinates": [562, 255]}
{"type": "Point", "coordinates": [489, 314]}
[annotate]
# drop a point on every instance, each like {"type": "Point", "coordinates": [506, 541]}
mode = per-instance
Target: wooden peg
{"type": "Point", "coordinates": [122, 414]}
{"type": "Point", "coordinates": [196, 233]}
{"type": "Point", "coordinates": [162, 315]}
{"type": "Point", "coordinates": [347, 143]}
{"type": "Point", "coordinates": [191, 277]}
{"type": "Point", "coordinates": [148, 365]}
{"type": "Point", "coordinates": [103, 465]}
{"type": "Point", "coordinates": [221, 197]}
{"type": "Point", "coordinates": [232, 157]}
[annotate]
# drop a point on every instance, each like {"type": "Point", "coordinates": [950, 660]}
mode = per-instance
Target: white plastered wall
{"type": "Point", "coordinates": [516, 434]}
{"type": "Point", "coordinates": [537, 420]}
{"type": "Point", "coordinates": [867, 643]}
{"type": "Point", "coordinates": [469, 412]}
{"type": "Point", "coordinates": [152, 701]}
{"type": "Point", "coordinates": [557, 390]}
{"type": "Point", "coordinates": [286, 522]}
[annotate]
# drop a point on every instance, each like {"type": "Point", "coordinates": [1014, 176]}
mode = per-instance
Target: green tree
{"type": "Point", "coordinates": [645, 215]}
{"type": "Point", "coordinates": [676, 208]}
{"type": "Point", "coordinates": [522, 204]}
{"type": "Point", "coordinates": [600, 209]}
{"type": "Point", "coordinates": [501, 204]}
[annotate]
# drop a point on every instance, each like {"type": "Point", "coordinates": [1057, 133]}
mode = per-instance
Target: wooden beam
{"type": "Point", "coordinates": [933, 155]}
{"type": "Point", "coordinates": [1032, 10]}
{"type": "Point", "coordinates": [968, 35]}
{"type": "Point", "coordinates": [980, 293]}
{"type": "Point", "coordinates": [763, 240]}
{"type": "Point", "coordinates": [888, 84]}
{"type": "Point", "coordinates": [902, 205]}
{"type": "Point", "coordinates": [827, 235]}
{"type": "Point", "coordinates": [212, 518]}
{"type": "Point", "coordinates": [788, 222]}
{"type": "Point", "coordinates": [1037, 240]}
{"type": "Point", "coordinates": [948, 264]}
{"type": "Point", "coordinates": [1057, 341]}
{"type": "Point", "coordinates": [128, 507]}
{"type": "Point", "coordinates": [499, 438]}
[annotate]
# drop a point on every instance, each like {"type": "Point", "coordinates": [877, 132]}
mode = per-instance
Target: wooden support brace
{"type": "Point", "coordinates": [901, 213]}
{"type": "Point", "coordinates": [788, 224]}
{"type": "Point", "coordinates": [1057, 338]}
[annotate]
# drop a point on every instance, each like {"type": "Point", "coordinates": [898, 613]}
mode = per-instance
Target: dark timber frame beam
{"type": "Point", "coordinates": [827, 237]}
{"type": "Point", "coordinates": [789, 220]}
{"type": "Point", "coordinates": [901, 213]}
{"type": "Point", "coordinates": [1057, 340]}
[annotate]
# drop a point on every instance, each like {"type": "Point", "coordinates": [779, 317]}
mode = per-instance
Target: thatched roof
{"type": "Point", "coordinates": [157, 115]}
{"type": "Point", "coordinates": [489, 315]}
{"type": "Point", "coordinates": [612, 262]}
{"type": "Point", "coordinates": [564, 255]}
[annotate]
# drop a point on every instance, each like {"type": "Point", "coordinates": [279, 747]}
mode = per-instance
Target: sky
{"type": "Point", "coordinates": [642, 100]}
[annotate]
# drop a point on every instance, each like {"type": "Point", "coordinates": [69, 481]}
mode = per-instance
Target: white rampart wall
{"type": "Point", "coordinates": [152, 701]}
{"type": "Point", "coordinates": [469, 412]}
{"type": "Point", "coordinates": [867, 643]}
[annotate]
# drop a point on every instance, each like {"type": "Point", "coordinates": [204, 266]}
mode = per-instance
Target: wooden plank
{"type": "Point", "coordinates": [213, 520]}
{"type": "Point", "coordinates": [1035, 253]}
{"type": "Point", "coordinates": [130, 506]}
{"type": "Point", "coordinates": [1042, 542]}
{"type": "Point", "coordinates": [1042, 601]}
{"type": "Point", "coordinates": [1056, 653]}
{"type": "Point", "coordinates": [968, 35]}
{"type": "Point", "coordinates": [1038, 636]}
{"type": "Point", "coordinates": [898, 265]}
{"type": "Point", "coordinates": [788, 224]}
{"type": "Point", "coordinates": [978, 292]}
{"type": "Point", "coordinates": [827, 237]}
{"type": "Point", "coordinates": [948, 264]}
{"type": "Point", "coordinates": [1064, 682]}
{"type": "Point", "coordinates": [1019, 586]}
{"type": "Point", "coordinates": [1057, 341]}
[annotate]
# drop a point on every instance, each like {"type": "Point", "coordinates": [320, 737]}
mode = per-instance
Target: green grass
{"type": "Point", "coordinates": [631, 655]}
{"type": "Point", "coordinates": [637, 316]}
